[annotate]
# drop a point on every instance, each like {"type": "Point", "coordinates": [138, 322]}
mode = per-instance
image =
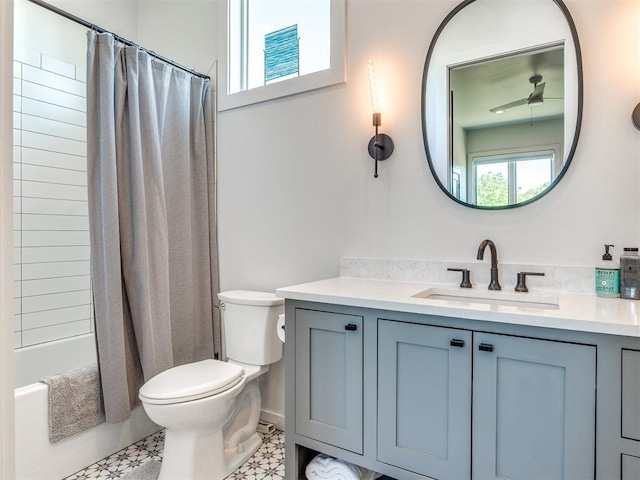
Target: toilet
{"type": "Point", "coordinates": [210, 409]}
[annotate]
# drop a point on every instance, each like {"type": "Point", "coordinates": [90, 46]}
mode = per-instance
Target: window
{"type": "Point", "coordinates": [508, 179]}
{"type": "Point", "coordinates": [455, 182]}
{"type": "Point", "coordinates": [275, 48]}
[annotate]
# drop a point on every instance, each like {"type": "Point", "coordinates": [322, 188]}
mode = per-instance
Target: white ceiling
{"type": "Point", "coordinates": [479, 87]}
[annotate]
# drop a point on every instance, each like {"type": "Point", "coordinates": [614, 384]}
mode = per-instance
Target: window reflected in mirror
{"type": "Point", "coordinates": [511, 178]}
{"type": "Point", "coordinates": [502, 120]}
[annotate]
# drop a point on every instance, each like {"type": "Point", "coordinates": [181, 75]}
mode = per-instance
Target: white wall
{"type": "Point", "coordinates": [182, 30]}
{"type": "Point", "coordinates": [118, 16]}
{"type": "Point", "coordinates": [296, 184]}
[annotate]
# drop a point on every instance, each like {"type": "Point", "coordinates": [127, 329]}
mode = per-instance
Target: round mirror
{"type": "Point", "coordinates": [502, 101]}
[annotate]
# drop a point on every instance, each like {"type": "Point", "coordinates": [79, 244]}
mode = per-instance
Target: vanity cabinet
{"type": "Point", "coordinates": [329, 375]}
{"type": "Point", "coordinates": [531, 400]}
{"type": "Point", "coordinates": [416, 396]}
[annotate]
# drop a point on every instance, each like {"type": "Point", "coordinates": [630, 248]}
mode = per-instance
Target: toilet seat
{"type": "Point", "coordinates": [191, 382]}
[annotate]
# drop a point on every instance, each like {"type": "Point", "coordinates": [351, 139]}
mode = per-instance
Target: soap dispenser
{"type": "Point", "coordinates": [608, 276]}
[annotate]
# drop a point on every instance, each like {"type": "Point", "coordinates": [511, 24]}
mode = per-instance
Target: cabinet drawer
{"type": "Point", "coordinates": [631, 394]}
{"type": "Point", "coordinates": [329, 378]}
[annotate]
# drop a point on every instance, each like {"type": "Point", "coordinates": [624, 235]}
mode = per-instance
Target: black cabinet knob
{"type": "Point", "coordinates": [457, 343]}
{"type": "Point", "coordinates": [351, 327]}
{"type": "Point", "coordinates": [485, 347]}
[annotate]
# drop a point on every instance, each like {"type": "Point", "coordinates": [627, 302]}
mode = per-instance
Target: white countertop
{"type": "Point", "coordinates": [574, 311]}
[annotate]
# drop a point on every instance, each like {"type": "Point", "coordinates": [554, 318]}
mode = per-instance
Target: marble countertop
{"type": "Point", "coordinates": [566, 311]}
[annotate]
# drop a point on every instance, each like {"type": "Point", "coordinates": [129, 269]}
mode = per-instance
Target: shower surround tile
{"type": "Point", "coordinates": [50, 198]}
{"type": "Point", "coordinates": [266, 464]}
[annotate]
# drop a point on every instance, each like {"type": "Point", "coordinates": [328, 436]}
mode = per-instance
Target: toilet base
{"type": "Point", "coordinates": [235, 459]}
{"type": "Point", "coordinates": [199, 456]}
{"type": "Point", "coordinates": [214, 436]}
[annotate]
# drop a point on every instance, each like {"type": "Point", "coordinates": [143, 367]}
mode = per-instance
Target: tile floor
{"type": "Point", "coordinates": [266, 464]}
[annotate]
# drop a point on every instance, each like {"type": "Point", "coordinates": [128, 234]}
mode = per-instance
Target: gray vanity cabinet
{"type": "Point", "coordinates": [418, 396]}
{"type": "Point", "coordinates": [329, 371]}
{"type": "Point", "coordinates": [533, 404]}
{"type": "Point", "coordinates": [534, 408]}
{"type": "Point", "coordinates": [424, 398]}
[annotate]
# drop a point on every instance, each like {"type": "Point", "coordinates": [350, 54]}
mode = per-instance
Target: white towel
{"type": "Point", "coordinates": [323, 467]}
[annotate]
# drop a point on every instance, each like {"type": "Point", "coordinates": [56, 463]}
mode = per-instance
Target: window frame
{"type": "Point", "coordinates": [510, 157]}
{"type": "Point", "coordinates": [335, 74]}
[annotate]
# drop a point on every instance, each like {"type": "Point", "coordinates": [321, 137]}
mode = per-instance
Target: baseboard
{"type": "Point", "coordinates": [276, 418]}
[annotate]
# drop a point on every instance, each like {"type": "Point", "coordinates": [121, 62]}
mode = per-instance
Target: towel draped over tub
{"type": "Point", "coordinates": [75, 402]}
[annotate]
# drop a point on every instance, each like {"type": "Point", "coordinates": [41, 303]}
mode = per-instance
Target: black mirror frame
{"type": "Point", "coordinates": [436, 36]}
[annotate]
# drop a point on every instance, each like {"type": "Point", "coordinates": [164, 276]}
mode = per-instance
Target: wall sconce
{"type": "Point", "coordinates": [635, 117]}
{"type": "Point", "coordinates": [381, 145]}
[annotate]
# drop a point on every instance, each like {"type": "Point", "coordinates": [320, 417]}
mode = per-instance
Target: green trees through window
{"type": "Point", "coordinates": [511, 180]}
{"type": "Point", "coordinates": [493, 190]}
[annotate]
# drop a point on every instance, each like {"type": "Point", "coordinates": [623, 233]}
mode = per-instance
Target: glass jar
{"type": "Point", "coordinates": [630, 274]}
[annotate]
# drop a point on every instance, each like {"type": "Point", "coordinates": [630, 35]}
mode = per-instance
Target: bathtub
{"type": "Point", "coordinates": [36, 458]}
{"type": "Point", "coordinates": [33, 363]}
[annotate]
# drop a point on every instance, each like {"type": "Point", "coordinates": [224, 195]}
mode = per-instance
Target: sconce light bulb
{"type": "Point", "coordinates": [374, 87]}
{"type": "Point", "coordinates": [499, 112]}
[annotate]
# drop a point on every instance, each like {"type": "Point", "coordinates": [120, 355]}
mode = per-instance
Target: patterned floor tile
{"type": "Point", "coordinates": [266, 464]}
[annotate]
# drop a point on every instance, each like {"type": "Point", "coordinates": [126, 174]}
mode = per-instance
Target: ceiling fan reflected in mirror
{"type": "Point", "coordinates": [535, 98]}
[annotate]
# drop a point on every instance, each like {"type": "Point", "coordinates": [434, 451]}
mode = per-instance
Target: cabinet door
{"type": "Point", "coordinates": [631, 394]}
{"type": "Point", "coordinates": [424, 399]}
{"type": "Point", "coordinates": [533, 409]}
{"type": "Point", "coordinates": [630, 467]}
{"type": "Point", "coordinates": [329, 378]}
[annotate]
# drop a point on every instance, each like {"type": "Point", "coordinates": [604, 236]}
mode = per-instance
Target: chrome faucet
{"type": "Point", "coordinates": [494, 284]}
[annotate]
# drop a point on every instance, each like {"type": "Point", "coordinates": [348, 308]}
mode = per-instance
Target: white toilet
{"type": "Point", "coordinates": [210, 409]}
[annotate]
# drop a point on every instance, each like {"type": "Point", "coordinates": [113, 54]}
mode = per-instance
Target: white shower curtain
{"type": "Point", "coordinates": [152, 218]}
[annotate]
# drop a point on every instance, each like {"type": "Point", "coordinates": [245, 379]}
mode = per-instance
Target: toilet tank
{"type": "Point", "coordinates": [249, 323]}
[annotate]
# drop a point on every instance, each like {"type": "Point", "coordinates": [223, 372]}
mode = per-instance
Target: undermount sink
{"type": "Point", "coordinates": [488, 297]}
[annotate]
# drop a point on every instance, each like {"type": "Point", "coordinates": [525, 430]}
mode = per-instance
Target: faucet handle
{"type": "Point", "coordinates": [466, 277]}
{"type": "Point", "coordinates": [521, 286]}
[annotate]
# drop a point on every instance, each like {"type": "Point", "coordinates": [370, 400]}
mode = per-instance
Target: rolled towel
{"type": "Point", "coordinates": [324, 467]}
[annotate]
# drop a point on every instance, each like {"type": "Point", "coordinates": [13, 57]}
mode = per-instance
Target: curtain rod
{"type": "Point", "coordinates": [118, 38]}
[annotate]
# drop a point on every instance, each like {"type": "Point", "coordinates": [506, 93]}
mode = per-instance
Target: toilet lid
{"type": "Point", "coordinates": [191, 382]}
{"type": "Point", "coordinates": [246, 297]}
